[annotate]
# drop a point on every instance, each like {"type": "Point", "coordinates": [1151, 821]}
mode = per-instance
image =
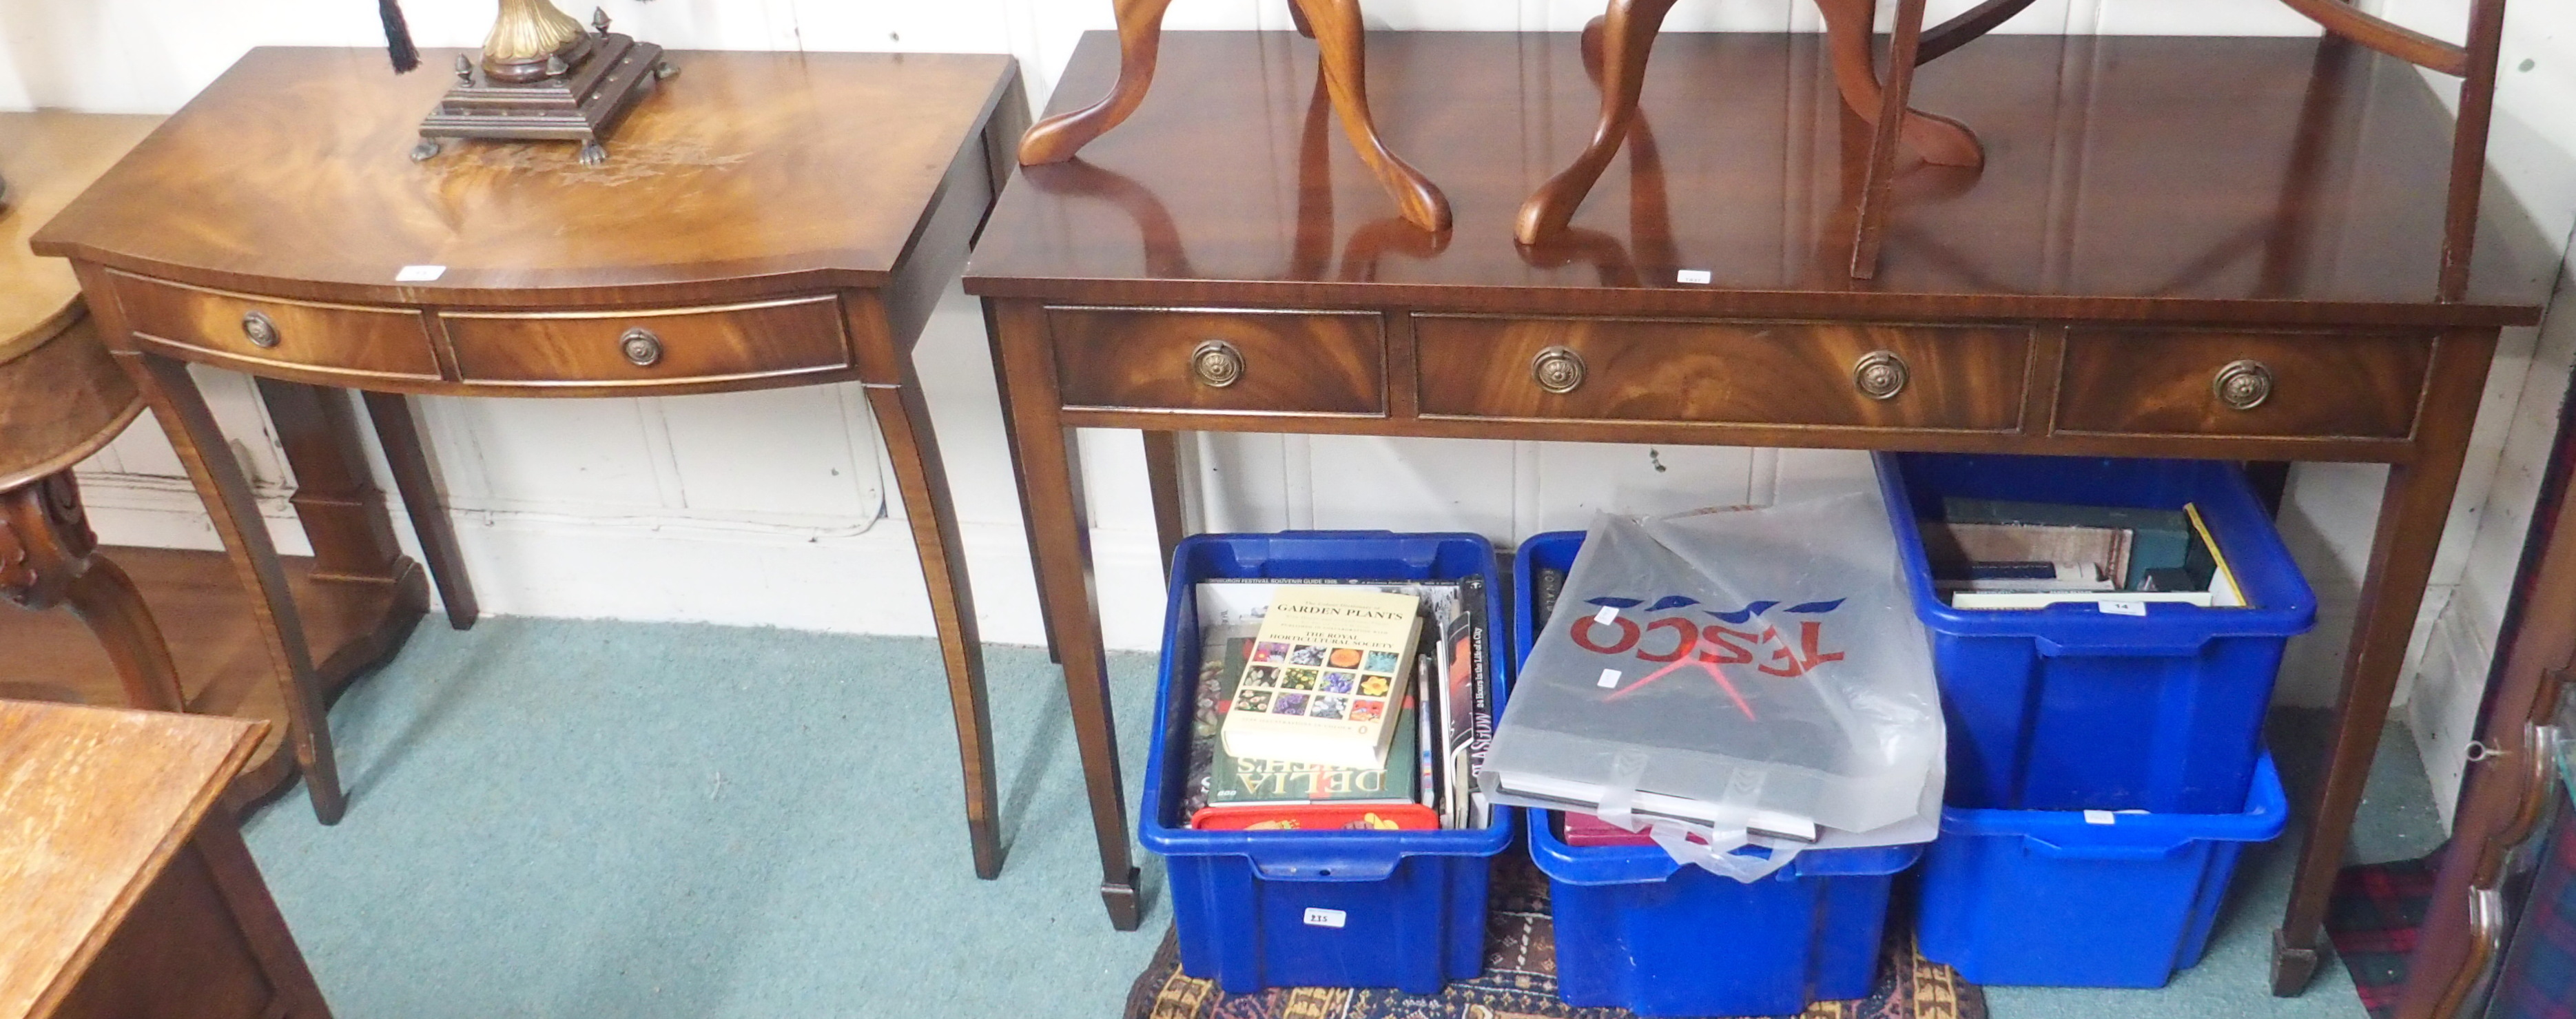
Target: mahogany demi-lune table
{"type": "Point", "coordinates": [764, 220]}
{"type": "Point", "coordinates": [2215, 248]}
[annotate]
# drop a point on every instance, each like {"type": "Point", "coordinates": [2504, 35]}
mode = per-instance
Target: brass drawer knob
{"type": "Point", "coordinates": [1558, 370]}
{"type": "Point", "coordinates": [641, 347]}
{"type": "Point", "coordinates": [1879, 375]}
{"type": "Point", "coordinates": [259, 329]}
{"type": "Point", "coordinates": [1217, 364]}
{"type": "Point", "coordinates": [2242, 385]}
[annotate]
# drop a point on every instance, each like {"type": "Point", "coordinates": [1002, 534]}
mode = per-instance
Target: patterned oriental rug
{"type": "Point", "coordinates": [1520, 978]}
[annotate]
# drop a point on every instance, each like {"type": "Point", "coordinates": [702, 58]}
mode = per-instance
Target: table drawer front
{"type": "Point", "coordinates": [1786, 373]}
{"type": "Point", "coordinates": [2139, 381]}
{"type": "Point", "coordinates": [1302, 362]}
{"type": "Point", "coordinates": [649, 347]}
{"type": "Point", "coordinates": [376, 341]}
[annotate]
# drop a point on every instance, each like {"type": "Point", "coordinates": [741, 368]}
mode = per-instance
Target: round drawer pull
{"type": "Point", "coordinates": [260, 329]}
{"type": "Point", "coordinates": [1558, 370]}
{"type": "Point", "coordinates": [641, 347]}
{"type": "Point", "coordinates": [2242, 385]}
{"type": "Point", "coordinates": [1879, 375]}
{"type": "Point", "coordinates": [1217, 364]}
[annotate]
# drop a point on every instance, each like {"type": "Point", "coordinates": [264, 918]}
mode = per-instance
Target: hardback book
{"type": "Point", "coordinates": [2158, 539]}
{"type": "Point", "coordinates": [2044, 599]}
{"type": "Point", "coordinates": [1956, 548]}
{"type": "Point", "coordinates": [1230, 793]}
{"type": "Point", "coordinates": [1326, 678]}
{"type": "Point", "coordinates": [1462, 708]}
{"type": "Point", "coordinates": [2206, 561]}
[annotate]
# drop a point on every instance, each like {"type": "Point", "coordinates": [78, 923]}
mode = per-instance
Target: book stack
{"type": "Point", "coordinates": [1340, 705]}
{"type": "Point", "coordinates": [1998, 554]}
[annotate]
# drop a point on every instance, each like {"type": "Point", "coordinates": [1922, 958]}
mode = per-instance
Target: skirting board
{"type": "Point", "coordinates": [677, 570]}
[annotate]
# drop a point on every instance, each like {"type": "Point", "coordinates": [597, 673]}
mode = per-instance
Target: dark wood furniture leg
{"type": "Point", "coordinates": [1140, 38]}
{"type": "Point", "coordinates": [416, 480]}
{"type": "Point", "coordinates": [1627, 36]}
{"type": "Point", "coordinates": [1333, 24]}
{"type": "Point", "coordinates": [905, 420]}
{"type": "Point", "coordinates": [1020, 483]}
{"type": "Point", "coordinates": [2412, 509]}
{"type": "Point", "coordinates": [335, 493]}
{"type": "Point", "coordinates": [1062, 551]}
{"type": "Point", "coordinates": [1878, 186]}
{"type": "Point", "coordinates": [182, 411]}
{"type": "Point", "coordinates": [1163, 476]}
{"type": "Point", "coordinates": [1336, 27]}
{"type": "Point", "coordinates": [48, 557]}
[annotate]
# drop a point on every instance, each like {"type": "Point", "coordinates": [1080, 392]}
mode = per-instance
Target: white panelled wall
{"type": "Point", "coordinates": [772, 508]}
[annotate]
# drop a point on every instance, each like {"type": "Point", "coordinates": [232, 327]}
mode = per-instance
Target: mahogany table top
{"type": "Point", "coordinates": [93, 803]}
{"type": "Point", "coordinates": [2227, 180]}
{"type": "Point", "coordinates": [291, 175]}
{"type": "Point", "coordinates": [48, 157]}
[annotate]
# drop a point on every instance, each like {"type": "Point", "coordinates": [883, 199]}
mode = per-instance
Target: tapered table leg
{"type": "Point", "coordinates": [1062, 550]}
{"type": "Point", "coordinates": [905, 421]}
{"type": "Point", "coordinates": [2412, 509]}
{"type": "Point", "coordinates": [1163, 476]}
{"type": "Point", "coordinates": [416, 479]}
{"type": "Point", "coordinates": [182, 411]}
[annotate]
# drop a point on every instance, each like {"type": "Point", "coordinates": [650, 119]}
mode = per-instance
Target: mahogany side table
{"type": "Point", "coordinates": [125, 890]}
{"type": "Point", "coordinates": [769, 220]}
{"type": "Point", "coordinates": [61, 399]}
{"type": "Point", "coordinates": [1202, 269]}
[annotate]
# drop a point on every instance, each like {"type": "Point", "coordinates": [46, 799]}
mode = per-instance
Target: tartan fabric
{"type": "Point", "coordinates": [2539, 979]}
{"type": "Point", "coordinates": [1519, 981]}
{"type": "Point", "coordinates": [2376, 914]}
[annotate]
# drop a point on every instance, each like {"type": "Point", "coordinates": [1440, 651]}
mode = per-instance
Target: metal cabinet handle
{"type": "Point", "coordinates": [1879, 375]}
{"type": "Point", "coordinates": [1558, 370]}
{"type": "Point", "coordinates": [2242, 385]}
{"type": "Point", "coordinates": [1217, 364]}
{"type": "Point", "coordinates": [260, 329]}
{"type": "Point", "coordinates": [642, 348]}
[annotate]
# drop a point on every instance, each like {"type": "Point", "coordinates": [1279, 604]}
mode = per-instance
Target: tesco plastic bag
{"type": "Point", "coordinates": [1752, 676]}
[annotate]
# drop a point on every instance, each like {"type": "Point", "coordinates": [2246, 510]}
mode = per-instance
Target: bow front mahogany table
{"type": "Point", "coordinates": [764, 220]}
{"type": "Point", "coordinates": [2178, 247]}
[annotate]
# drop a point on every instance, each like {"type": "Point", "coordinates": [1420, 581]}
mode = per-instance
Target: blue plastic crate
{"type": "Point", "coordinates": [2048, 898]}
{"type": "Point", "coordinates": [2071, 708]}
{"type": "Point", "coordinates": [1258, 909]}
{"type": "Point", "coordinates": [1636, 930]}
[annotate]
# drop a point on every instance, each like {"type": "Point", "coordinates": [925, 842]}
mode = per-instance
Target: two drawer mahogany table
{"type": "Point", "coordinates": [765, 220]}
{"type": "Point", "coordinates": [2178, 247]}
{"type": "Point", "coordinates": [125, 890]}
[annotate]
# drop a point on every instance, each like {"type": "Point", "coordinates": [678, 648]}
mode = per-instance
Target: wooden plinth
{"type": "Point", "coordinates": [206, 619]}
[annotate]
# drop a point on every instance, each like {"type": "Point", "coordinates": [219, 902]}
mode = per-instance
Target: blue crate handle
{"type": "Point", "coordinates": [2042, 847]}
{"type": "Point", "coordinates": [1306, 864]}
{"type": "Point", "coordinates": [2129, 645]}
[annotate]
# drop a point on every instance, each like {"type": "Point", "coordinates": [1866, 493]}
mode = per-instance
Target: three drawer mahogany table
{"type": "Point", "coordinates": [125, 890]}
{"type": "Point", "coordinates": [2217, 248]}
{"type": "Point", "coordinates": [764, 220]}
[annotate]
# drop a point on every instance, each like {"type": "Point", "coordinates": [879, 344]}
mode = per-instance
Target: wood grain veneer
{"type": "Point", "coordinates": [391, 343]}
{"type": "Point", "coordinates": [2359, 386]}
{"type": "Point", "coordinates": [1322, 363]}
{"type": "Point", "coordinates": [769, 340]}
{"type": "Point", "coordinates": [1793, 373]}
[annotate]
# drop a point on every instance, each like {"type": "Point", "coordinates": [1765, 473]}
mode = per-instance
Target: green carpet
{"type": "Point", "coordinates": [556, 818]}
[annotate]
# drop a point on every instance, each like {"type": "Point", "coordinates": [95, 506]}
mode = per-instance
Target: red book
{"type": "Point", "coordinates": [1318, 817]}
{"type": "Point", "coordinates": [1587, 830]}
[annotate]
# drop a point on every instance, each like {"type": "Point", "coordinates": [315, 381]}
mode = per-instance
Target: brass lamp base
{"type": "Point", "coordinates": [589, 88]}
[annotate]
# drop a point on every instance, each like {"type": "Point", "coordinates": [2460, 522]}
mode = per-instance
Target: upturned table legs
{"type": "Point", "coordinates": [1335, 26]}
{"type": "Point", "coordinates": [48, 558]}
